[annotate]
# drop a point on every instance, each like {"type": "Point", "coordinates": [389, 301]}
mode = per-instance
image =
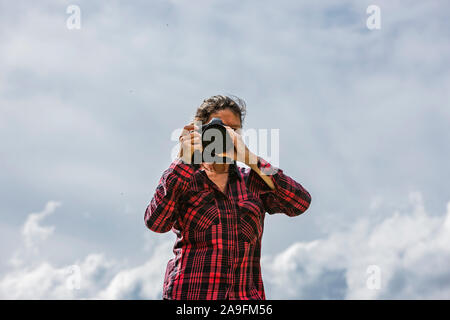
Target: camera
{"type": "Point", "coordinates": [215, 140]}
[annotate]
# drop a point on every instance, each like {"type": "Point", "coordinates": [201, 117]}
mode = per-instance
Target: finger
{"type": "Point", "coordinates": [195, 136]}
{"type": "Point", "coordinates": [189, 126]}
{"type": "Point", "coordinates": [190, 129]}
{"type": "Point", "coordinates": [231, 156]}
{"type": "Point", "coordinates": [187, 129]}
{"type": "Point", "coordinates": [195, 140]}
{"type": "Point", "coordinates": [192, 137]}
{"type": "Point", "coordinates": [188, 136]}
{"type": "Point", "coordinates": [186, 132]}
{"type": "Point", "coordinates": [230, 131]}
{"type": "Point", "coordinates": [232, 134]}
{"type": "Point", "coordinates": [183, 139]}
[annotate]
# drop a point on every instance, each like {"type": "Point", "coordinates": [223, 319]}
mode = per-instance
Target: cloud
{"type": "Point", "coordinates": [45, 281]}
{"type": "Point", "coordinates": [33, 235]}
{"type": "Point", "coordinates": [346, 100]}
{"type": "Point", "coordinates": [410, 248]}
{"type": "Point", "coordinates": [33, 231]}
{"type": "Point", "coordinates": [141, 282]}
{"type": "Point", "coordinates": [86, 117]}
{"type": "Point", "coordinates": [93, 277]}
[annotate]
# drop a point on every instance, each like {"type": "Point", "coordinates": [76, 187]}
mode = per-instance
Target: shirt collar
{"type": "Point", "coordinates": [234, 171]}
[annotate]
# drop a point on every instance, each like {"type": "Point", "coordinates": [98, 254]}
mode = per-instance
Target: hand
{"type": "Point", "coordinates": [190, 140]}
{"type": "Point", "coordinates": [240, 152]}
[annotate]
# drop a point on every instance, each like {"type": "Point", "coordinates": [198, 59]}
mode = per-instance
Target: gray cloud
{"type": "Point", "coordinates": [34, 276]}
{"type": "Point", "coordinates": [409, 247]}
{"type": "Point", "coordinates": [86, 115]}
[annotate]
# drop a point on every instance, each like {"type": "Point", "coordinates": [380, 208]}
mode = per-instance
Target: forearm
{"type": "Point", "coordinates": [162, 210]}
{"type": "Point", "coordinates": [266, 178]}
{"type": "Point", "coordinates": [251, 160]}
{"type": "Point", "coordinates": [284, 193]}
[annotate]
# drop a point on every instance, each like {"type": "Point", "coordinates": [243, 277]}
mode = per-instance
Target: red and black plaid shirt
{"type": "Point", "coordinates": [218, 245]}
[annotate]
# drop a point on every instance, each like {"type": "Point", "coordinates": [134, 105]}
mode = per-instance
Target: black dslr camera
{"type": "Point", "coordinates": [215, 140]}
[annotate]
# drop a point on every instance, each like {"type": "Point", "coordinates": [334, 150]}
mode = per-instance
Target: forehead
{"type": "Point", "coordinates": [228, 117]}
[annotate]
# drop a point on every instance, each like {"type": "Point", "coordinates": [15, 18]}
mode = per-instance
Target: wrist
{"type": "Point", "coordinates": [251, 160]}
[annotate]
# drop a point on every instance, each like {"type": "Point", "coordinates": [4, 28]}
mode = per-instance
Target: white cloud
{"type": "Point", "coordinates": [97, 277]}
{"type": "Point", "coordinates": [144, 281]}
{"type": "Point", "coordinates": [33, 231]}
{"type": "Point", "coordinates": [410, 248]}
{"type": "Point", "coordinates": [46, 281]}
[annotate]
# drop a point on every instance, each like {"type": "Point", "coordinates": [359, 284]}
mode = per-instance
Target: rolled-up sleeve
{"type": "Point", "coordinates": [162, 211]}
{"type": "Point", "coordinates": [288, 197]}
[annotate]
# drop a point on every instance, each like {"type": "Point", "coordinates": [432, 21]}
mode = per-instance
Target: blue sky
{"type": "Point", "coordinates": [87, 117]}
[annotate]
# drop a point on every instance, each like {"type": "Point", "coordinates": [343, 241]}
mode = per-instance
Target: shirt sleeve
{"type": "Point", "coordinates": [162, 211]}
{"type": "Point", "coordinates": [288, 197]}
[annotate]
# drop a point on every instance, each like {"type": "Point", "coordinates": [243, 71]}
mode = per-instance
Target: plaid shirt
{"type": "Point", "coordinates": [218, 245]}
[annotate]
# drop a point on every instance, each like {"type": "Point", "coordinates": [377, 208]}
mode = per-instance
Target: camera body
{"type": "Point", "coordinates": [215, 140]}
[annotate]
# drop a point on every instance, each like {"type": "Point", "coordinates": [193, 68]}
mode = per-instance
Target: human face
{"type": "Point", "coordinates": [229, 118]}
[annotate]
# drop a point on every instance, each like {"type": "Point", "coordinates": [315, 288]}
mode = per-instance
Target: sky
{"type": "Point", "coordinates": [88, 118]}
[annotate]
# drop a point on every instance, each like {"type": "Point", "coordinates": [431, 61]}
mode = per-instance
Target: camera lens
{"type": "Point", "coordinates": [215, 139]}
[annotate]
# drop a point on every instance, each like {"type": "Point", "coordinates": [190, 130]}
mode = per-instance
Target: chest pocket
{"type": "Point", "coordinates": [251, 219]}
{"type": "Point", "coordinates": [200, 211]}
